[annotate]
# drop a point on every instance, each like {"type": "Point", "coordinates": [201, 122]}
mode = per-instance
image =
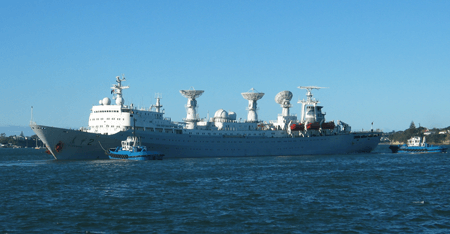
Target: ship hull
{"type": "Point", "coordinates": [137, 157]}
{"type": "Point", "coordinates": [422, 150]}
{"type": "Point", "coordinates": [67, 144]}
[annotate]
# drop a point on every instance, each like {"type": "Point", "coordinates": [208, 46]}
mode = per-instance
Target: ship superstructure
{"type": "Point", "coordinates": [109, 119]}
{"type": "Point", "coordinates": [220, 136]}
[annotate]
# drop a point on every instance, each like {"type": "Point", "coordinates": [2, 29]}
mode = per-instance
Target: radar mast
{"type": "Point", "coordinates": [309, 101]}
{"type": "Point", "coordinates": [117, 90]}
{"type": "Point", "coordinates": [158, 105]}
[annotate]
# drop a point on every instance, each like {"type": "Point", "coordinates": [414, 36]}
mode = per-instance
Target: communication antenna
{"type": "Point", "coordinates": [284, 99]}
{"type": "Point", "coordinates": [117, 90]}
{"type": "Point", "coordinates": [310, 100]}
{"type": "Point", "coordinates": [31, 121]}
{"type": "Point", "coordinates": [309, 94]}
{"type": "Point", "coordinates": [252, 96]}
{"type": "Point", "coordinates": [191, 106]}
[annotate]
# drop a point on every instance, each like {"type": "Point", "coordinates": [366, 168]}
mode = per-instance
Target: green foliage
{"type": "Point", "coordinates": [3, 138]}
{"type": "Point", "coordinates": [436, 138]}
{"type": "Point", "coordinates": [403, 136]}
{"type": "Point", "coordinates": [12, 140]}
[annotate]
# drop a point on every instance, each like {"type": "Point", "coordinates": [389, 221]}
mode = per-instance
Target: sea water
{"type": "Point", "coordinates": [379, 192]}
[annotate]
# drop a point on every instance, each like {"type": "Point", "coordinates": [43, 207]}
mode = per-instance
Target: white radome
{"type": "Point", "coordinates": [106, 101]}
{"type": "Point", "coordinates": [119, 101]}
{"type": "Point", "coordinates": [221, 113]}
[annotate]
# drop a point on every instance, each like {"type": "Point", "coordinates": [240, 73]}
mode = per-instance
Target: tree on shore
{"type": "Point", "coordinates": [435, 138]}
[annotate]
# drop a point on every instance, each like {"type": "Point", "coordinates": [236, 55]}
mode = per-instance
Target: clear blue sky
{"type": "Point", "coordinates": [386, 62]}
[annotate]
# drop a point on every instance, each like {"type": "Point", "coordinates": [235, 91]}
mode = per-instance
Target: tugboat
{"type": "Point", "coordinates": [132, 150]}
{"type": "Point", "coordinates": [416, 145]}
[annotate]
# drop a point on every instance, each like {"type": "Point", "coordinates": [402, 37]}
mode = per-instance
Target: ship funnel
{"type": "Point", "coordinates": [252, 96]}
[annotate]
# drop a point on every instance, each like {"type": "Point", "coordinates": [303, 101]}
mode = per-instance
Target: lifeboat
{"type": "Point", "coordinates": [316, 126]}
{"type": "Point", "coordinates": [313, 126]}
{"type": "Point", "coordinates": [297, 127]}
{"type": "Point", "coordinates": [329, 125]}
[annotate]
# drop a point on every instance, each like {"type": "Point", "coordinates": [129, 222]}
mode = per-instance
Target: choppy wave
{"type": "Point", "coordinates": [368, 193]}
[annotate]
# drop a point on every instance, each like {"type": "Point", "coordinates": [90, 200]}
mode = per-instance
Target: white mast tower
{"type": "Point", "coordinates": [191, 107]}
{"type": "Point", "coordinates": [117, 90]}
{"type": "Point", "coordinates": [252, 96]}
{"type": "Point", "coordinates": [309, 101]}
{"type": "Point", "coordinates": [158, 103]}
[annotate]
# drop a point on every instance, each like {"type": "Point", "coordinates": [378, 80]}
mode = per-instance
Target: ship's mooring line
{"type": "Point", "coordinates": [106, 152]}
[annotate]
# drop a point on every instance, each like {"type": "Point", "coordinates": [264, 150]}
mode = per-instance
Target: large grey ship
{"type": "Point", "coordinates": [220, 136]}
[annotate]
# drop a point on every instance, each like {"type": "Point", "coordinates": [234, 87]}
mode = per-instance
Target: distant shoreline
{"type": "Point", "coordinates": [399, 143]}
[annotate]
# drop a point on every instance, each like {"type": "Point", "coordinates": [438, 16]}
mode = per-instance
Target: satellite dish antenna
{"type": "Point", "coordinates": [284, 99]}
{"type": "Point", "coordinates": [252, 96]}
{"type": "Point", "coordinates": [191, 94]}
{"type": "Point", "coordinates": [191, 106]}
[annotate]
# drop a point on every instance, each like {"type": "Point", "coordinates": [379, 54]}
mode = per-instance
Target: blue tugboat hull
{"type": "Point", "coordinates": [417, 145]}
{"type": "Point", "coordinates": [140, 156]}
{"type": "Point", "coordinates": [418, 149]}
